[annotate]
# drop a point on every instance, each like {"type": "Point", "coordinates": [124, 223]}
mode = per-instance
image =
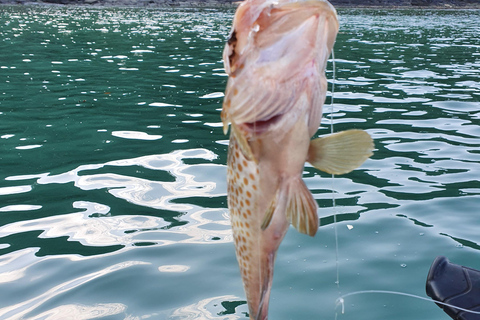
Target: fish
{"type": "Point", "coordinates": [275, 58]}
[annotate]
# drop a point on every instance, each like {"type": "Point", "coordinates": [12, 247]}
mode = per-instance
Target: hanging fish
{"type": "Point", "coordinates": [275, 58]}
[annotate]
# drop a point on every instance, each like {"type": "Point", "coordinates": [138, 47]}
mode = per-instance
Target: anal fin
{"type": "Point", "coordinates": [341, 152]}
{"type": "Point", "coordinates": [302, 208]}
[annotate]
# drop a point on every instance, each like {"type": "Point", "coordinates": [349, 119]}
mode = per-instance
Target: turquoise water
{"type": "Point", "coordinates": [112, 167]}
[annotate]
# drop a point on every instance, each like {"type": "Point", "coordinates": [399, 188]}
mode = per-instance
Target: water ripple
{"type": "Point", "coordinates": [203, 224]}
{"type": "Point", "coordinates": [20, 310]}
{"type": "Point", "coordinates": [113, 194]}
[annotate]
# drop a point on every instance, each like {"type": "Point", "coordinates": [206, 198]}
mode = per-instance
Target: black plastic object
{"type": "Point", "coordinates": [456, 285]}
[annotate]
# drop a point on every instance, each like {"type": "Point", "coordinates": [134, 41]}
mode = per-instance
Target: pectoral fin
{"type": "Point", "coordinates": [242, 142]}
{"type": "Point", "coordinates": [341, 152]}
{"type": "Point", "coordinates": [302, 208]}
{"type": "Point", "coordinates": [225, 120]}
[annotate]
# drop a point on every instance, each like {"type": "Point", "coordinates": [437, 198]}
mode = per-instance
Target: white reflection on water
{"type": "Point", "coordinates": [19, 310]}
{"type": "Point", "coordinates": [135, 135]}
{"type": "Point", "coordinates": [32, 146]}
{"type": "Point", "coordinates": [173, 268]}
{"type": "Point", "coordinates": [14, 258]}
{"type": "Point", "coordinates": [15, 190]}
{"type": "Point", "coordinates": [94, 225]}
{"type": "Point", "coordinates": [81, 312]}
{"type": "Point", "coordinates": [204, 226]}
{"type": "Point", "coordinates": [20, 207]}
{"type": "Point", "coordinates": [162, 104]}
{"type": "Point", "coordinates": [154, 194]}
{"type": "Point", "coordinates": [213, 95]}
{"type": "Point", "coordinates": [205, 309]}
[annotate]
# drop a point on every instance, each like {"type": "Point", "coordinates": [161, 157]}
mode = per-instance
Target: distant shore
{"type": "Point", "coordinates": [401, 4]}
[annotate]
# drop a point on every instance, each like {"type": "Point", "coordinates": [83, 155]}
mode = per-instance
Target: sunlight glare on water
{"type": "Point", "coordinates": [113, 187]}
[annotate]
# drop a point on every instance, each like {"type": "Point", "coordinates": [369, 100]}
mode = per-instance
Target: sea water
{"type": "Point", "coordinates": [112, 166]}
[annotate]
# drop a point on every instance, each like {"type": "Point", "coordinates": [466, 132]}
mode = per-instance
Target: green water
{"type": "Point", "coordinates": [112, 167]}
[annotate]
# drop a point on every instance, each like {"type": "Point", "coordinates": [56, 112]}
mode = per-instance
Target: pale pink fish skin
{"type": "Point", "coordinates": [276, 61]}
{"type": "Point", "coordinates": [255, 248]}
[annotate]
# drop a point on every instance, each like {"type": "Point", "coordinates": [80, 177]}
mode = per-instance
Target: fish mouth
{"type": "Point", "coordinates": [262, 126]}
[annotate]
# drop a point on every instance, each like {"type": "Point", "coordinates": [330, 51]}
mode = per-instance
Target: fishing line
{"type": "Point", "coordinates": [333, 92]}
{"type": "Point", "coordinates": [333, 179]}
{"type": "Point", "coordinates": [341, 299]}
{"type": "Point", "coordinates": [334, 205]}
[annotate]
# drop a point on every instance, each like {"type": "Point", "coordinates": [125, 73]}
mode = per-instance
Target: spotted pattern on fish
{"type": "Point", "coordinates": [242, 176]}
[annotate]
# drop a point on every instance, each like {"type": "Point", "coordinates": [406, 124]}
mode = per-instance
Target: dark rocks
{"type": "Point", "coordinates": [408, 3]}
{"type": "Point", "coordinates": [128, 3]}
{"type": "Point", "coordinates": [337, 3]}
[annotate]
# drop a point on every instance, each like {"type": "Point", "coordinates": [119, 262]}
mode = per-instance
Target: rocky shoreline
{"type": "Point", "coordinates": [439, 4]}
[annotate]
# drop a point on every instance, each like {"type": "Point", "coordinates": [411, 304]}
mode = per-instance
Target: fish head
{"type": "Point", "coordinates": [275, 57]}
{"type": "Point", "coordinates": [264, 31]}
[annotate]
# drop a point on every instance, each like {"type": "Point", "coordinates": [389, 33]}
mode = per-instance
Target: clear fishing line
{"type": "Point", "coordinates": [334, 205]}
{"type": "Point", "coordinates": [341, 300]}
{"type": "Point", "coordinates": [333, 92]}
{"type": "Point", "coordinates": [333, 178]}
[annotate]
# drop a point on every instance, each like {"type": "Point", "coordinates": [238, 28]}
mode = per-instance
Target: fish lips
{"type": "Point", "coordinates": [260, 127]}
